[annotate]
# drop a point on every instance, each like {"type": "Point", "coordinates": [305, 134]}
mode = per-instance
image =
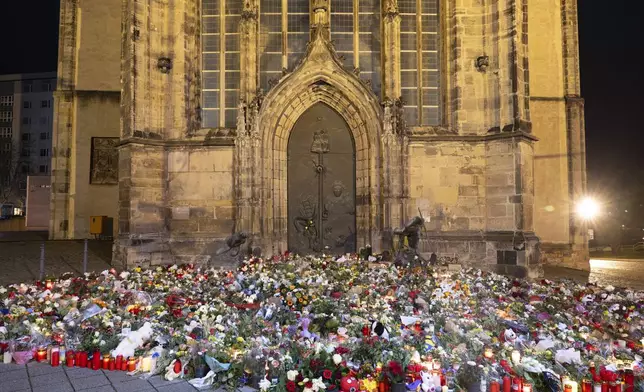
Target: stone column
{"type": "Point", "coordinates": [160, 95]}
{"type": "Point", "coordinates": [64, 97]}
{"type": "Point", "coordinates": [391, 50]}
{"type": "Point", "coordinates": [576, 133]}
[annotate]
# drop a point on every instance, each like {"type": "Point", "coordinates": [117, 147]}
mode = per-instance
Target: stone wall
{"type": "Point", "coordinates": [86, 105]}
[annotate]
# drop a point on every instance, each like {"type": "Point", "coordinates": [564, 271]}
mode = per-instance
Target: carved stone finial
{"type": "Point", "coordinates": [391, 8]}
{"type": "Point", "coordinates": [249, 12]}
{"type": "Point", "coordinates": [320, 13]}
{"type": "Point", "coordinates": [241, 118]}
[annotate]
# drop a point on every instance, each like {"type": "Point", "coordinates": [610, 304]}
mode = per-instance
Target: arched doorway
{"type": "Point", "coordinates": [321, 185]}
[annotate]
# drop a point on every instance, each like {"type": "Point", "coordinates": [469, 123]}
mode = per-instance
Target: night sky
{"type": "Point", "coordinates": [612, 82]}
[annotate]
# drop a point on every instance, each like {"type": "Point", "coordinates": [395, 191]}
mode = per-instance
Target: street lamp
{"type": "Point", "coordinates": [587, 209]}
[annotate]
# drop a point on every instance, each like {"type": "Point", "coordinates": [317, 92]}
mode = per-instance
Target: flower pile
{"type": "Point", "coordinates": [320, 324]}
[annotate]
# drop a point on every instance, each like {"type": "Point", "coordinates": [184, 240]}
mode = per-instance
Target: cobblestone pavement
{"type": "Point", "coordinates": [39, 377]}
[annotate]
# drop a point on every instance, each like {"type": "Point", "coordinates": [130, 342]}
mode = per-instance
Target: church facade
{"type": "Point", "coordinates": [321, 126]}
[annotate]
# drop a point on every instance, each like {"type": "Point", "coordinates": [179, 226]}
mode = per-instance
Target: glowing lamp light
{"type": "Point", "coordinates": [588, 209]}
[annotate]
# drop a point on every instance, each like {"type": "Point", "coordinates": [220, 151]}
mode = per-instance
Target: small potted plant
{"type": "Point", "coordinates": [395, 373]}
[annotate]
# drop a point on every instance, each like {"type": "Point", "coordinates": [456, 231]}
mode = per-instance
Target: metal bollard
{"type": "Point", "coordinates": [85, 257]}
{"type": "Point", "coordinates": [42, 261]}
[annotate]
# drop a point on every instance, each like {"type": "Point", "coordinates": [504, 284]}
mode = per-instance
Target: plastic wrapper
{"type": "Point", "coordinates": [205, 382]}
{"type": "Point", "coordinates": [91, 311]}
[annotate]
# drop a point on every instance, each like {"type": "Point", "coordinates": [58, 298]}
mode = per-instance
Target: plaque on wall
{"type": "Point", "coordinates": [104, 161]}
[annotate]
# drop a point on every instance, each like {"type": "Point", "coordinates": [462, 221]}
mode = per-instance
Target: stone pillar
{"type": "Point", "coordinates": [391, 50]}
{"type": "Point", "coordinates": [59, 225]}
{"type": "Point", "coordinates": [576, 134]}
{"type": "Point", "coordinates": [160, 95]}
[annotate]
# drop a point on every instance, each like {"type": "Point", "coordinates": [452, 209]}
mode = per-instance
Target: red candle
{"type": "Point", "coordinates": [106, 361]}
{"type": "Point", "coordinates": [586, 386]}
{"type": "Point", "coordinates": [41, 355]}
{"type": "Point", "coordinates": [177, 366]}
{"type": "Point", "coordinates": [604, 386]}
{"type": "Point", "coordinates": [69, 359]}
{"type": "Point", "coordinates": [629, 381]}
{"type": "Point", "coordinates": [119, 361]}
{"type": "Point", "coordinates": [616, 387]}
{"type": "Point", "coordinates": [124, 365]}
{"type": "Point", "coordinates": [81, 359]}
{"type": "Point", "coordinates": [517, 384]}
{"type": "Point", "coordinates": [112, 366]}
{"type": "Point", "coordinates": [131, 364]}
{"type": "Point", "coordinates": [55, 358]}
{"type": "Point", "coordinates": [507, 384]}
{"type": "Point", "coordinates": [495, 387]}
{"type": "Point", "coordinates": [96, 360]}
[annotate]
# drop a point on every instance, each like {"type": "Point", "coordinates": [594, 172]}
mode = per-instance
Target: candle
{"type": "Point", "coordinates": [629, 380]}
{"type": "Point", "coordinates": [516, 357]}
{"type": "Point", "coordinates": [124, 364]}
{"type": "Point", "coordinates": [69, 359]}
{"type": "Point", "coordinates": [436, 378]}
{"type": "Point", "coordinates": [177, 366]}
{"type": "Point", "coordinates": [119, 362]}
{"type": "Point", "coordinates": [41, 355]}
{"type": "Point", "coordinates": [616, 387]}
{"type": "Point", "coordinates": [146, 364]}
{"type": "Point", "coordinates": [131, 364]}
{"type": "Point", "coordinates": [96, 360]}
{"type": "Point", "coordinates": [488, 353]}
{"type": "Point", "coordinates": [55, 358]}
{"type": "Point", "coordinates": [507, 384]}
{"type": "Point", "coordinates": [106, 361]}
{"type": "Point", "coordinates": [112, 366]}
{"type": "Point", "coordinates": [527, 387]}
{"type": "Point", "coordinates": [49, 353]}
{"type": "Point", "coordinates": [597, 387]}
{"type": "Point", "coordinates": [63, 354]}
{"type": "Point", "coordinates": [604, 386]}
{"type": "Point", "coordinates": [483, 387]}
{"type": "Point", "coordinates": [6, 358]}
{"type": "Point", "coordinates": [444, 389]}
{"type": "Point", "coordinates": [494, 386]}
{"type": "Point", "coordinates": [81, 359]}
{"type": "Point", "coordinates": [574, 387]}
{"type": "Point", "coordinates": [517, 384]}
{"type": "Point", "coordinates": [49, 285]}
{"type": "Point", "coordinates": [586, 386]}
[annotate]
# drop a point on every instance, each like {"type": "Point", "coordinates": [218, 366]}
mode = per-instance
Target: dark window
{"type": "Point", "coordinates": [45, 104]}
{"type": "Point", "coordinates": [24, 152]}
{"type": "Point", "coordinates": [44, 135]}
{"type": "Point", "coordinates": [27, 87]}
{"type": "Point", "coordinates": [46, 86]}
{"type": "Point", "coordinates": [26, 104]}
{"type": "Point", "coordinates": [44, 152]}
{"type": "Point", "coordinates": [43, 120]}
{"type": "Point", "coordinates": [26, 137]}
{"type": "Point", "coordinates": [26, 121]}
{"type": "Point", "coordinates": [43, 168]}
{"type": "Point", "coordinates": [25, 168]}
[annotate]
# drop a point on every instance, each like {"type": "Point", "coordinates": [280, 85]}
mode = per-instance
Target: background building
{"type": "Point", "coordinates": [470, 114]}
{"type": "Point", "coordinates": [26, 114]}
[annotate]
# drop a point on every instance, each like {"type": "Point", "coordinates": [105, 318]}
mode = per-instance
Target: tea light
{"type": "Point", "coordinates": [41, 355]}
{"type": "Point", "coordinates": [488, 353]}
{"type": "Point", "coordinates": [516, 357]}
{"type": "Point", "coordinates": [131, 364]}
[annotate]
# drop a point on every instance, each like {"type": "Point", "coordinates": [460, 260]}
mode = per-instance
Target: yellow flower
{"type": "Point", "coordinates": [240, 339]}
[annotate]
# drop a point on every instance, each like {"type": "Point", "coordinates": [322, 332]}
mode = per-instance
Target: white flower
{"type": "Point", "coordinates": [337, 359]}
{"type": "Point", "coordinates": [291, 374]}
{"type": "Point", "coordinates": [2, 290]}
{"type": "Point", "coordinates": [264, 384]}
{"type": "Point", "coordinates": [102, 343]}
{"type": "Point", "coordinates": [318, 384]}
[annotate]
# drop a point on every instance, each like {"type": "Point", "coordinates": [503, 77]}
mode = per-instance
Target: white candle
{"type": "Point", "coordinates": [7, 357]}
{"type": "Point", "coordinates": [146, 364]}
{"type": "Point", "coordinates": [597, 387]}
{"type": "Point", "coordinates": [437, 380]}
{"type": "Point", "coordinates": [444, 389]}
{"type": "Point", "coordinates": [516, 357]}
{"type": "Point", "coordinates": [573, 385]}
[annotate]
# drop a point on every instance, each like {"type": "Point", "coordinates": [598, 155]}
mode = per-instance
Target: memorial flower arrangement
{"type": "Point", "coordinates": [303, 324]}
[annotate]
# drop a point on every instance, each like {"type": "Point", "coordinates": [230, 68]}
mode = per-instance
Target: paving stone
{"type": "Point", "coordinates": [104, 388]}
{"type": "Point", "coordinates": [94, 381]}
{"type": "Point", "coordinates": [15, 385]}
{"type": "Point", "coordinates": [37, 369]}
{"type": "Point", "coordinates": [133, 386]}
{"type": "Point", "coordinates": [10, 367]}
{"type": "Point", "coordinates": [81, 372]}
{"type": "Point", "coordinates": [119, 376]}
{"type": "Point", "coordinates": [14, 374]}
{"type": "Point", "coordinates": [160, 381]}
{"type": "Point", "coordinates": [178, 387]}
{"type": "Point", "coordinates": [45, 379]}
{"type": "Point", "coordinates": [63, 387]}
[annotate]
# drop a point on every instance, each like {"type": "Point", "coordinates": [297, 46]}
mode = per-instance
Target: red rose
{"type": "Point", "coordinates": [395, 368]}
{"type": "Point", "coordinates": [309, 384]}
{"type": "Point", "coordinates": [290, 386]}
{"type": "Point", "coordinates": [327, 374]}
{"type": "Point", "coordinates": [341, 350]}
